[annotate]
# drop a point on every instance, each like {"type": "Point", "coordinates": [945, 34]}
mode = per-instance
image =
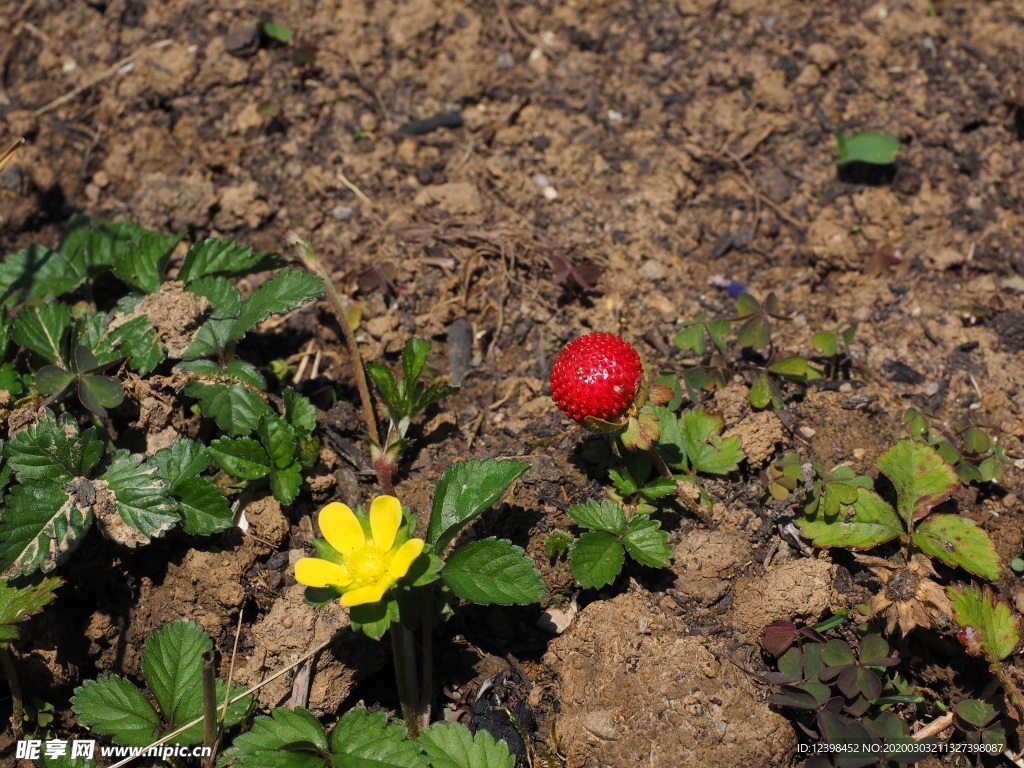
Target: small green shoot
{"type": "Point", "coordinates": [276, 31]}
{"type": "Point", "coordinates": [870, 148]}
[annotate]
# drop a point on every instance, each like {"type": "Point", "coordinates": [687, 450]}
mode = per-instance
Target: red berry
{"type": "Point", "coordinates": [597, 376]}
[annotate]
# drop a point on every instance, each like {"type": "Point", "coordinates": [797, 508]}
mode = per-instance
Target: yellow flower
{"type": "Point", "coordinates": [369, 567]}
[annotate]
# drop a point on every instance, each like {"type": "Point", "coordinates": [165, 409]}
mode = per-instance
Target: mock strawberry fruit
{"type": "Point", "coordinates": [597, 376]}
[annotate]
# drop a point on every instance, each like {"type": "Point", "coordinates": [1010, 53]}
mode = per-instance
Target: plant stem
{"type": "Point", "coordinates": [209, 708]}
{"type": "Point", "coordinates": [403, 649]}
{"type": "Point", "coordinates": [427, 676]}
{"type": "Point", "coordinates": [339, 305]}
{"type": "Point", "coordinates": [695, 508]}
{"type": "Point", "coordinates": [17, 707]}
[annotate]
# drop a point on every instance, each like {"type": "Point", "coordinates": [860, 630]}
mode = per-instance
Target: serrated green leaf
{"type": "Point", "coordinates": [451, 745]}
{"type": "Point", "coordinates": [203, 506]}
{"type": "Point", "coordinates": [240, 370]}
{"type": "Point", "coordinates": [922, 479]}
{"type": "Point", "coordinates": [242, 457]}
{"type": "Point", "coordinates": [623, 481]}
{"type": "Point", "coordinates": [596, 558]}
{"type": "Point", "coordinates": [991, 628]}
{"type": "Point", "coordinates": [36, 271]}
{"type": "Point", "coordinates": [112, 706]}
{"type": "Point", "coordinates": [236, 408]}
{"type": "Point", "coordinates": [872, 523]}
{"type": "Point", "coordinates": [414, 358]}
{"type": "Point", "coordinates": [299, 411]}
{"type": "Point", "coordinates": [137, 341]}
{"type": "Point", "coordinates": [220, 292]}
{"type": "Point", "coordinates": [18, 603]}
{"type": "Point", "coordinates": [40, 528]}
{"type": "Point", "coordinates": [364, 740]}
{"type": "Point", "coordinates": [286, 739]}
{"type": "Point", "coordinates": [287, 290]}
{"type": "Point", "coordinates": [705, 451]}
{"type": "Point", "coordinates": [599, 515]}
{"type": "Point", "coordinates": [958, 541]}
{"type": "Point", "coordinates": [43, 329]}
{"type": "Point", "coordinates": [10, 379]}
{"type": "Point", "coordinates": [223, 257]}
{"type": "Point", "coordinates": [464, 491]}
{"type": "Point", "coordinates": [381, 375]}
{"type": "Point", "coordinates": [172, 664]}
{"type": "Point", "coordinates": [185, 460]}
{"type": "Point", "coordinates": [54, 449]}
{"type": "Point", "coordinates": [278, 437]}
{"type": "Point", "coordinates": [493, 571]}
{"type": "Point", "coordinates": [142, 500]}
{"type": "Point", "coordinates": [286, 482]}
{"type": "Point", "coordinates": [646, 543]}
{"type": "Point", "coordinates": [141, 262]}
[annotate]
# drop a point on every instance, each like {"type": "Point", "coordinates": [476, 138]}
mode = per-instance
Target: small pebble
{"type": "Point", "coordinates": [1009, 501]}
{"type": "Point", "coordinates": [808, 432]}
{"type": "Point", "coordinates": [601, 723]}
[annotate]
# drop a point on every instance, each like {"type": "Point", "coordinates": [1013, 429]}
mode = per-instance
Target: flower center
{"type": "Point", "coordinates": [368, 565]}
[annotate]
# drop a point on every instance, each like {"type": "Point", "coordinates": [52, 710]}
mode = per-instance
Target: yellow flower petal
{"type": "Point", "coordinates": [314, 572]}
{"type": "Point", "coordinates": [341, 528]}
{"type": "Point", "coordinates": [385, 518]}
{"type": "Point", "coordinates": [402, 559]}
{"type": "Point", "coordinates": [366, 595]}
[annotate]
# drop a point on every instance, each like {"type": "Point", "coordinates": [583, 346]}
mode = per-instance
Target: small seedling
{"type": "Point", "coordinates": [977, 456]}
{"type": "Point", "coordinates": [832, 343]}
{"type": "Point", "coordinates": [870, 148]}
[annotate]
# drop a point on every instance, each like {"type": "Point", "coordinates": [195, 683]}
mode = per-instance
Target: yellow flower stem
{"type": "Point", "coordinates": [427, 677]}
{"type": "Point", "coordinates": [403, 649]}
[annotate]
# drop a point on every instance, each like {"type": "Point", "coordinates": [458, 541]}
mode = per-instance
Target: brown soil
{"type": "Point", "coordinates": [661, 142]}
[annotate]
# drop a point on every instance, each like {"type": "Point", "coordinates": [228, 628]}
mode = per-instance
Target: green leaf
{"type": "Point", "coordinates": [278, 32]}
{"type": "Point", "coordinates": [236, 408]}
{"type": "Point", "coordinates": [756, 332]}
{"type": "Point", "coordinates": [746, 305]}
{"type": "Point", "coordinates": [203, 506]}
{"type": "Point", "coordinates": [385, 381]}
{"type": "Point", "coordinates": [142, 500]}
{"type": "Point", "coordinates": [872, 523]}
{"type": "Point", "coordinates": [172, 664]}
{"type": "Point", "coordinates": [600, 515]}
{"type": "Point", "coordinates": [221, 293]}
{"type": "Point", "coordinates": [299, 411]}
{"type": "Point", "coordinates": [464, 491]}
{"type": "Point", "coordinates": [976, 712]}
{"type": "Point", "coordinates": [489, 571]}
{"type": "Point", "coordinates": [51, 379]}
{"type": "Point", "coordinates": [958, 541]}
{"type": "Point", "coordinates": [10, 379]}
{"type": "Point", "coordinates": [278, 437]}
{"type": "Point", "coordinates": [286, 739]}
{"type": "Point", "coordinates": [646, 543]}
{"type": "Point", "coordinates": [142, 261]}
{"type": "Point", "coordinates": [826, 342]}
{"type": "Point", "coordinates": [362, 740]}
{"type": "Point", "coordinates": [451, 745]}
{"type": "Point", "coordinates": [137, 341]}
{"type": "Point", "coordinates": [692, 338]}
{"type": "Point", "coordinates": [242, 457]}
{"type": "Point", "coordinates": [762, 393]}
{"type": "Point", "coordinates": [98, 393]}
{"type": "Point", "coordinates": [285, 483]}
{"type": "Point", "coordinates": [285, 291]}
{"type": "Point", "coordinates": [36, 271]}
{"type": "Point", "coordinates": [596, 558]}
{"type": "Point", "coordinates": [18, 603]}
{"type": "Point", "coordinates": [868, 147]}
{"type": "Point", "coordinates": [54, 449]}
{"type": "Point", "coordinates": [112, 706]}
{"type": "Point", "coordinates": [43, 329]}
{"type": "Point", "coordinates": [704, 450]}
{"type": "Point", "coordinates": [41, 526]}
{"type": "Point", "coordinates": [922, 479]}
{"type": "Point", "coordinates": [223, 258]}
{"type": "Point", "coordinates": [793, 367]}
{"type": "Point", "coordinates": [185, 460]}
{"type": "Point", "coordinates": [991, 628]}
{"type": "Point", "coordinates": [414, 358]}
